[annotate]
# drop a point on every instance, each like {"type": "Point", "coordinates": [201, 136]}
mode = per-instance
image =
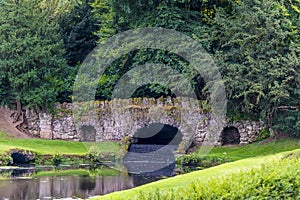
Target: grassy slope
{"type": "Point", "coordinates": [53, 146]}
{"type": "Point", "coordinates": [265, 153]}
{"type": "Point", "coordinates": [256, 149]}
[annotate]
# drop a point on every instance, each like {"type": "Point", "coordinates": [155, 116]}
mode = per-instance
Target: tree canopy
{"type": "Point", "coordinates": [255, 44]}
{"type": "Point", "coordinates": [32, 63]}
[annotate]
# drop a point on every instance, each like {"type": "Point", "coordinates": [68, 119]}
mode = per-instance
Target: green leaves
{"type": "Point", "coordinates": [253, 48]}
{"type": "Point", "coordinates": [77, 27]}
{"type": "Point", "coordinates": [31, 51]}
{"type": "Point", "coordinates": [275, 180]}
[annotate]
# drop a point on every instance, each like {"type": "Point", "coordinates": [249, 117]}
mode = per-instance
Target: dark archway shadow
{"type": "Point", "coordinates": [157, 133]}
{"type": "Point", "coordinates": [88, 133]}
{"type": "Point", "coordinates": [152, 151]}
{"type": "Point", "coordinates": [230, 136]}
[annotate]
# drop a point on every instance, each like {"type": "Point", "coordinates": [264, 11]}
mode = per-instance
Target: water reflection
{"type": "Point", "coordinates": [21, 187]}
{"type": "Point", "coordinates": [67, 186]}
{"type": "Point", "coordinates": [150, 159]}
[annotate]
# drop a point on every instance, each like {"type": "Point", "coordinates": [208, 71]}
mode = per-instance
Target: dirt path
{"type": "Point", "coordinates": [7, 125]}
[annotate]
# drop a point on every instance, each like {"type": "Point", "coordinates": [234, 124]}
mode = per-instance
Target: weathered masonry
{"type": "Point", "coordinates": [113, 120]}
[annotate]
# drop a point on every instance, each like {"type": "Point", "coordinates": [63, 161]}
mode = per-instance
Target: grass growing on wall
{"type": "Point", "coordinates": [44, 146]}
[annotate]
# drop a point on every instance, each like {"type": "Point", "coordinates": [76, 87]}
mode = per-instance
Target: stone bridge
{"type": "Point", "coordinates": [113, 120]}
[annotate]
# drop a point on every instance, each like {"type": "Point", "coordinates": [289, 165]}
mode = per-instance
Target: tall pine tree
{"type": "Point", "coordinates": [32, 65]}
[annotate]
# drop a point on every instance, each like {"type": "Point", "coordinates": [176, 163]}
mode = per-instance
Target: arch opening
{"type": "Point", "coordinates": [88, 133]}
{"type": "Point", "coordinates": [152, 150]}
{"type": "Point", "coordinates": [157, 133]}
{"type": "Point", "coordinates": [230, 136]}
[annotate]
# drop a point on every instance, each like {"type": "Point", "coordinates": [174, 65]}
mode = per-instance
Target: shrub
{"type": "Point", "coordinates": [191, 162]}
{"type": "Point", "coordinates": [57, 159]}
{"type": "Point", "coordinates": [95, 155]}
{"type": "Point", "coordinates": [5, 159]}
{"type": "Point", "coordinates": [275, 180]}
{"type": "Point", "coordinates": [287, 122]}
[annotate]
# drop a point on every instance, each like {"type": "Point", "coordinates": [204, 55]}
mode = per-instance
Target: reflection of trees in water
{"type": "Point", "coordinates": [64, 186]}
{"type": "Point", "coordinates": [87, 183]}
{"type": "Point", "coordinates": [19, 189]}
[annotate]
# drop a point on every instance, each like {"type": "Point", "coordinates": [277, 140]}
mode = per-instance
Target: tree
{"type": "Point", "coordinates": [31, 52]}
{"type": "Point", "coordinates": [257, 47]}
{"type": "Point", "coordinates": [78, 26]}
{"type": "Point", "coordinates": [188, 17]}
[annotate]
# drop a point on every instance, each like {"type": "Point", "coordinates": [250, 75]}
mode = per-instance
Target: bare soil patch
{"type": "Point", "coordinates": [7, 124]}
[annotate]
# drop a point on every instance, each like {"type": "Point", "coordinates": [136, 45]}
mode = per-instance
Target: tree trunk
{"type": "Point", "coordinates": [19, 111]}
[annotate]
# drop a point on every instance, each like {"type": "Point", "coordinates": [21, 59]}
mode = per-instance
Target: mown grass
{"type": "Point", "coordinates": [220, 155]}
{"type": "Point", "coordinates": [44, 146]}
{"type": "Point", "coordinates": [279, 179]}
{"type": "Point", "coordinates": [248, 157]}
{"type": "Point", "coordinates": [255, 149]}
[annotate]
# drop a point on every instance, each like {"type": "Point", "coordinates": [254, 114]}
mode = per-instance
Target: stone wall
{"type": "Point", "coordinates": [113, 120]}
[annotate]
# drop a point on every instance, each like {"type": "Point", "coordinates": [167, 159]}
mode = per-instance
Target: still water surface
{"type": "Point", "coordinates": [150, 162]}
{"type": "Point", "coordinates": [22, 186]}
{"type": "Point", "coordinates": [67, 186]}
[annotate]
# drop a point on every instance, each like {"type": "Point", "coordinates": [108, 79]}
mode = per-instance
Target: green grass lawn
{"type": "Point", "coordinates": [44, 146]}
{"type": "Point", "coordinates": [256, 149]}
{"type": "Point", "coordinates": [245, 157]}
{"type": "Point", "coordinates": [203, 176]}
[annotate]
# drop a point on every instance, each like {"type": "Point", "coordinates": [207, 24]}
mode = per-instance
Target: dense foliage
{"type": "Point", "coordinates": [256, 45]}
{"type": "Point", "coordinates": [32, 63]}
{"type": "Point", "coordinates": [275, 180]}
{"type": "Point", "coordinates": [257, 48]}
{"type": "Point", "coordinates": [78, 26]}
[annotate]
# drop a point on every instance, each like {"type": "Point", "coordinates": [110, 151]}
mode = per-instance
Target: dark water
{"type": "Point", "coordinates": [150, 160]}
{"type": "Point", "coordinates": [145, 163]}
{"type": "Point", "coordinates": [22, 188]}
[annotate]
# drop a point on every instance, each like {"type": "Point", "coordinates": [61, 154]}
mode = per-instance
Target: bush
{"type": "Point", "coordinates": [5, 159]}
{"type": "Point", "coordinates": [276, 180]}
{"type": "Point", "coordinates": [263, 134]}
{"type": "Point", "coordinates": [57, 159]}
{"type": "Point", "coordinates": [287, 122]}
{"type": "Point", "coordinates": [95, 155]}
{"type": "Point", "coordinates": [191, 162]}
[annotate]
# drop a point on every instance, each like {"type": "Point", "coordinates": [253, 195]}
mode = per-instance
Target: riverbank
{"type": "Point", "coordinates": [223, 154]}
{"type": "Point", "coordinates": [185, 183]}
{"type": "Point", "coordinates": [42, 151]}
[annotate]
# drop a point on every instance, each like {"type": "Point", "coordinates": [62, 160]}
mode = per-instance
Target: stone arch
{"type": "Point", "coordinates": [158, 133]}
{"type": "Point", "coordinates": [88, 133]}
{"type": "Point", "coordinates": [92, 128]}
{"type": "Point", "coordinates": [230, 135]}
